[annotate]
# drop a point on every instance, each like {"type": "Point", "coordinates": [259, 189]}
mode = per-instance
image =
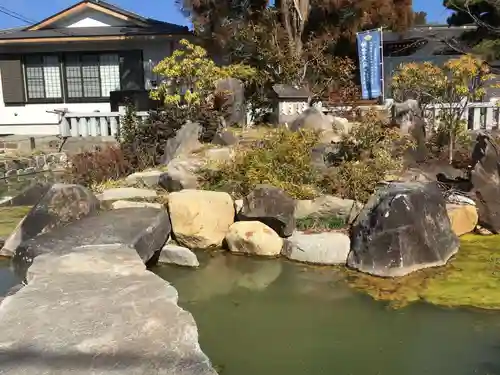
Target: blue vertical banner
{"type": "Point", "coordinates": [370, 63]}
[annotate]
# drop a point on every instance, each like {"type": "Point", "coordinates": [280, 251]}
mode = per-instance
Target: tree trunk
{"type": "Point", "coordinates": [294, 15]}
{"type": "Point", "coordinates": [451, 146]}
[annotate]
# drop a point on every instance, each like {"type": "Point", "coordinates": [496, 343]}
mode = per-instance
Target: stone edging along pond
{"type": "Point", "coordinates": [11, 166]}
{"type": "Point", "coordinates": [206, 220]}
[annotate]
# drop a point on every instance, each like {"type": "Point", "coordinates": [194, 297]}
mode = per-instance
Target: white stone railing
{"type": "Point", "coordinates": [94, 124]}
{"type": "Point", "coordinates": [485, 115]}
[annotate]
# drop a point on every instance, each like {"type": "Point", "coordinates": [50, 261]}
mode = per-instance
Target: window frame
{"type": "Point", "coordinates": [62, 57]}
{"type": "Point", "coordinates": [44, 100]}
{"type": "Point", "coordinates": [83, 99]}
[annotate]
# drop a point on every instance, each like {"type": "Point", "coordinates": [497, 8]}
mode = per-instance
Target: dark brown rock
{"type": "Point", "coordinates": [61, 204]}
{"type": "Point", "coordinates": [403, 228]}
{"type": "Point", "coordinates": [271, 206]}
{"type": "Point", "coordinates": [485, 178]}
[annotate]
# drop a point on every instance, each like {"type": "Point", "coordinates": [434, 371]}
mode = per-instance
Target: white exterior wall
{"type": "Point", "coordinates": [90, 18]}
{"type": "Point", "coordinates": [33, 119]}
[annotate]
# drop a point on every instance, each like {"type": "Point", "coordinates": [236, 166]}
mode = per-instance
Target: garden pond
{"type": "Point", "coordinates": [281, 318]}
{"type": "Point", "coordinates": [275, 317]}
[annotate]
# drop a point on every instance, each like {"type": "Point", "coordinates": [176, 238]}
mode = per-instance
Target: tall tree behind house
{"type": "Point", "coordinates": [341, 19]}
{"type": "Point", "coordinates": [486, 15]}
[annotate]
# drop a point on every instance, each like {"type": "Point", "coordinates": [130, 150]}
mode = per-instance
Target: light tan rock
{"type": "Point", "coordinates": [463, 218]}
{"type": "Point", "coordinates": [200, 219]}
{"type": "Point", "coordinates": [253, 237]}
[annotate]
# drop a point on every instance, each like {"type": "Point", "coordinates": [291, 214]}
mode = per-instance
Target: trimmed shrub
{"type": "Point", "coordinates": [143, 143]}
{"type": "Point", "coordinates": [281, 158]}
{"type": "Point", "coordinates": [367, 155]}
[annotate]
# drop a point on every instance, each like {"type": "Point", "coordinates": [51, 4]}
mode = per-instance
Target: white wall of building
{"type": "Point", "coordinates": [37, 119]}
{"type": "Point", "coordinates": [90, 18]}
{"type": "Point", "coordinates": [34, 119]}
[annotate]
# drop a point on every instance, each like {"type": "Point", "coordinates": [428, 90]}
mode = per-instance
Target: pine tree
{"type": "Point", "coordinates": [486, 15]}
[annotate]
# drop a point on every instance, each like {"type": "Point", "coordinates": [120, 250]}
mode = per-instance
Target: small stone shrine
{"type": "Point", "coordinates": [289, 102]}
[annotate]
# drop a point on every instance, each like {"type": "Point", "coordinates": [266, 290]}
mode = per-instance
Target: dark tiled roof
{"type": "Point", "coordinates": [425, 40]}
{"type": "Point", "coordinates": [288, 91]}
{"type": "Point", "coordinates": [437, 31]}
{"type": "Point", "coordinates": [152, 27]}
{"type": "Point", "coordinates": [97, 31]}
{"type": "Point", "coordinates": [117, 9]}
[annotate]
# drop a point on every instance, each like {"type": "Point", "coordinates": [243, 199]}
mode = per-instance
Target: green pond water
{"type": "Point", "coordinates": [272, 317]}
{"type": "Point", "coordinates": [11, 186]}
{"type": "Point", "coordinates": [7, 278]}
{"type": "Point", "coordinates": [279, 318]}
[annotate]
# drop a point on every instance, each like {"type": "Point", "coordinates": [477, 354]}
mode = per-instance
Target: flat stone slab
{"type": "Point", "coordinates": [148, 178]}
{"type": "Point", "coordinates": [126, 193]}
{"type": "Point", "coordinates": [97, 312]}
{"type": "Point", "coordinates": [117, 205]}
{"type": "Point", "coordinates": [60, 205]}
{"type": "Point", "coordinates": [144, 229]}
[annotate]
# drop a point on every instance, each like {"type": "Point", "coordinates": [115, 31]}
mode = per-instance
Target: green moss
{"type": "Point", "coordinates": [471, 278]}
{"type": "Point", "coordinates": [10, 217]}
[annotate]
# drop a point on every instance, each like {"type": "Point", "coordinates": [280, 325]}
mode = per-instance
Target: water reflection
{"type": "Point", "coordinates": [11, 186]}
{"type": "Point", "coordinates": [7, 277]}
{"type": "Point", "coordinates": [220, 274]}
{"type": "Point", "coordinates": [275, 317]}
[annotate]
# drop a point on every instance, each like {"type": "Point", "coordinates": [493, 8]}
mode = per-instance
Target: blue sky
{"type": "Point", "coordinates": [165, 10]}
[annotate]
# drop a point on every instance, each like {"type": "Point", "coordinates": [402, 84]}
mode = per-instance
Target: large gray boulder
{"type": "Point", "coordinates": [271, 206]}
{"type": "Point", "coordinates": [60, 205]}
{"type": "Point", "coordinates": [144, 229]}
{"type": "Point", "coordinates": [180, 175]}
{"type": "Point", "coordinates": [485, 178]}
{"type": "Point", "coordinates": [234, 92]}
{"type": "Point", "coordinates": [326, 248]}
{"type": "Point", "coordinates": [312, 119]}
{"type": "Point", "coordinates": [404, 227]}
{"type": "Point", "coordinates": [97, 311]}
{"type": "Point", "coordinates": [185, 142]}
